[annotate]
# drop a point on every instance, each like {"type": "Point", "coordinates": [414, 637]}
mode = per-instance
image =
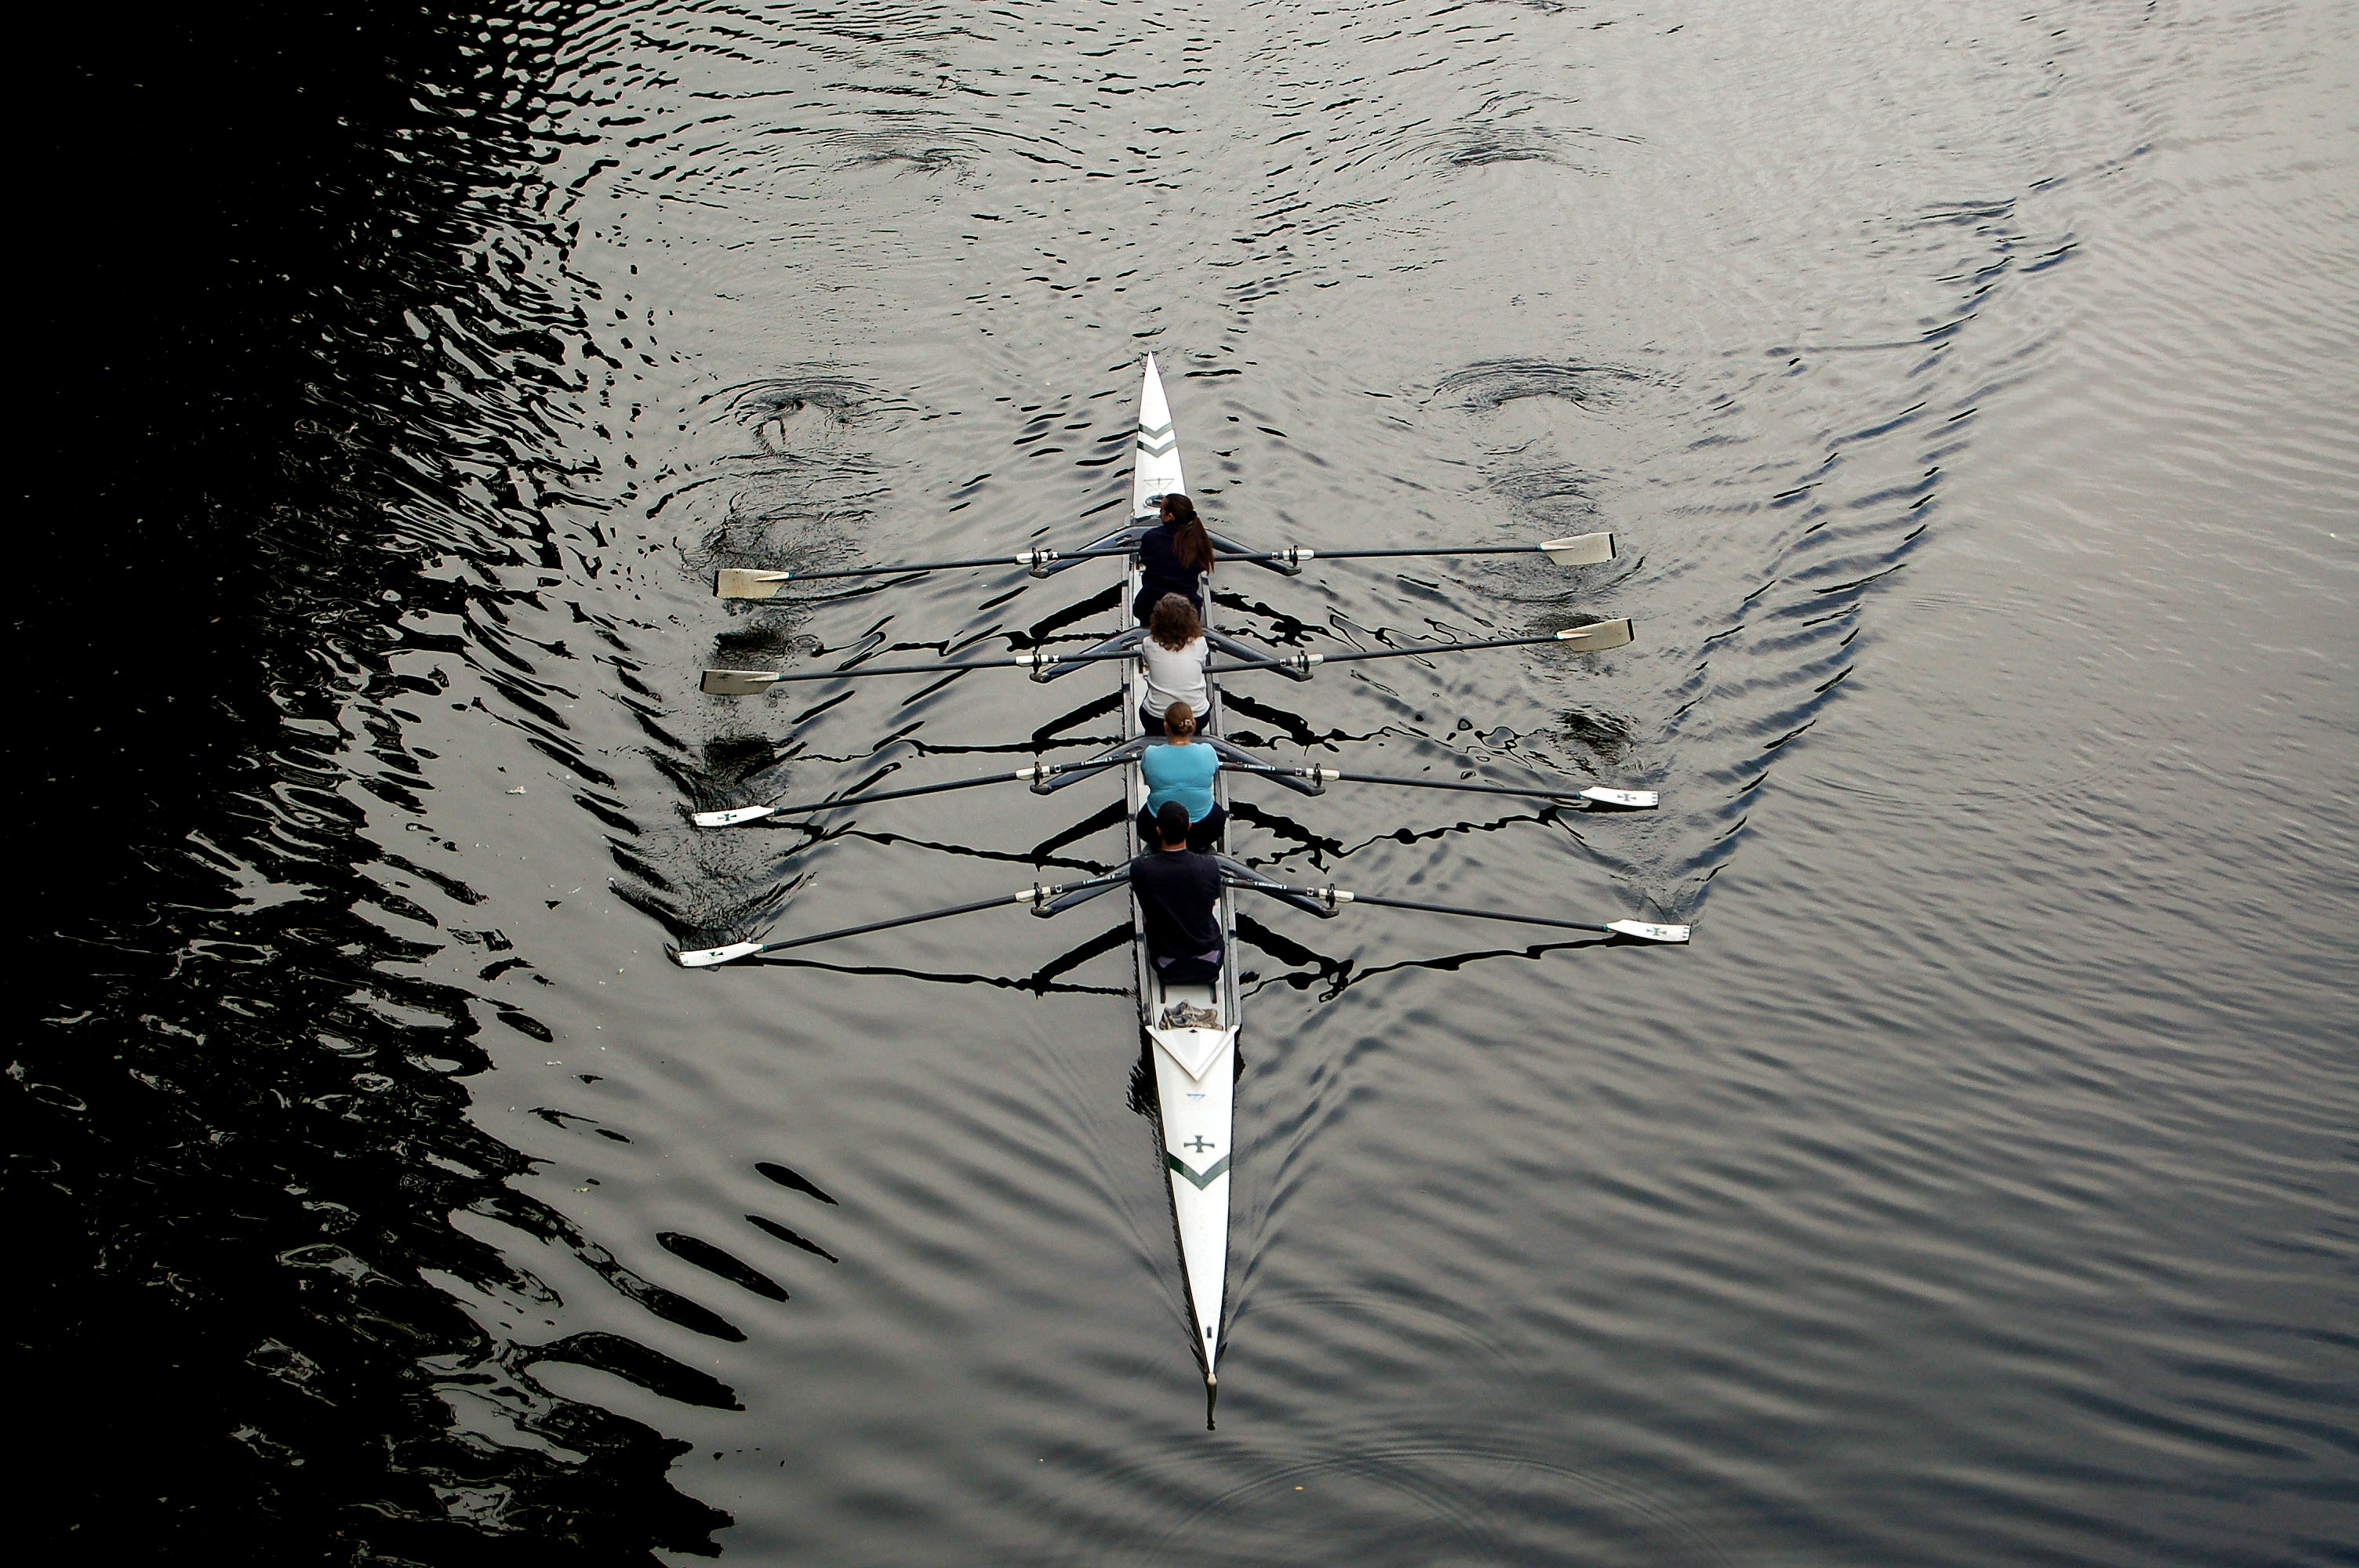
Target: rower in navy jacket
{"type": "Point", "coordinates": [1173, 556]}
{"type": "Point", "coordinates": [1178, 901]}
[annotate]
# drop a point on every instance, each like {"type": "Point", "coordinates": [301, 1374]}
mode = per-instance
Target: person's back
{"type": "Point", "coordinates": [1183, 772]}
{"type": "Point", "coordinates": [1179, 770]}
{"type": "Point", "coordinates": [1172, 656]}
{"type": "Point", "coordinates": [1172, 556]}
{"type": "Point", "coordinates": [1178, 901]}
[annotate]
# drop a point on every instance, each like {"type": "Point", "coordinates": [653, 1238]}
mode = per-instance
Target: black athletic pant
{"type": "Point", "coordinates": [1202, 835]}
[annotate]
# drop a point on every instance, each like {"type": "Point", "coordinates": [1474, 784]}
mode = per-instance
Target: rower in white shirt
{"type": "Point", "coordinates": [1174, 650]}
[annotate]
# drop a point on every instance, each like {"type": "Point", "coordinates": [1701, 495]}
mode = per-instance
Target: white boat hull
{"type": "Point", "coordinates": [1195, 1067]}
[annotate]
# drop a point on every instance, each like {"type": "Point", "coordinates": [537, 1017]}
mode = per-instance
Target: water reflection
{"type": "Point", "coordinates": [261, 1188]}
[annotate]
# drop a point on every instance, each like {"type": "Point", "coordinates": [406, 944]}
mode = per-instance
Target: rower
{"type": "Point", "coordinates": [1179, 893]}
{"type": "Point", "coordinates": [1173, 652]}
{"type": "Point", "coordinates": [1173, 556]}
{"type": "Point", "coordinates": [1179, 770]}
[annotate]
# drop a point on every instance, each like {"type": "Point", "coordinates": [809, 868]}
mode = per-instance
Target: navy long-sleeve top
{"type": "Point", "coordinates": [1162, 573]}
{"type": "Point", "coordinates": [1178, 891]}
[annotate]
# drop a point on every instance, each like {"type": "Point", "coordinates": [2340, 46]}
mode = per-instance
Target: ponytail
{"type": "Point", "coordinates": [1190, 543]}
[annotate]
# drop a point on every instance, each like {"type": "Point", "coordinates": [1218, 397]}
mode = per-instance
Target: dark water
{"type": "Point", "coordinates": [1971, 394]}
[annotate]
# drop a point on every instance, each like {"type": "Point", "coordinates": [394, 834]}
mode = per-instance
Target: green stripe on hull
{"type": "Point", "coordinates": [1203, 1181]}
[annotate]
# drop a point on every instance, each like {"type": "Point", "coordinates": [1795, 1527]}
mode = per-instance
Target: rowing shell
{"type": "Point", "coordinates": [1195, 1066]}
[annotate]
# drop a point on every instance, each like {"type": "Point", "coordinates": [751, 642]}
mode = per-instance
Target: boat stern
{"type": "Point", "coordinates": [1195, 1078]}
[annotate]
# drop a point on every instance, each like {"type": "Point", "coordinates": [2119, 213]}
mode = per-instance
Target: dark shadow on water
{"type": "Point", "coordinates": [242, 1118]}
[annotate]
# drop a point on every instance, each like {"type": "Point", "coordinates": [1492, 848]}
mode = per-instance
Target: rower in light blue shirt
{"type": "Point", "coordinates": [1180, 767]}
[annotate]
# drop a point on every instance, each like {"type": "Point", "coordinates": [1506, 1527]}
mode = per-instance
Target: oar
{"type": "Point", "coordinates": [1037, 896]}
{"type": "Point", "coordinates": [1241, 758]}
{"type": "Point", "coordinates": [1036, 775]}
{"type": "Point", "coordinates": [1594, 638]}
{"type": "Point", "coordinates": [1334, 898]}
{"type": "Point", "coordinates": [1251, 658]}
{"type": "Point", "coordinates": [1121, 642]}
{"type": "Point", "coordinates": [746, 683]}
{"type": "Point", "coordinates": [1573, 550]}
{"type": "Point", "coordinates": [742, 583]}
{"type": "Point", "coordinates": [1627, 799]}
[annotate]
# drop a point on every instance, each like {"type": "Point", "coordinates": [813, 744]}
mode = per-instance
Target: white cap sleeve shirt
{"type": "Point", "coordinates": [1176, 676]}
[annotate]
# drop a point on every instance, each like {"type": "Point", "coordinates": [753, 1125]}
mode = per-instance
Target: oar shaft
{"type": "Point", "coordinates": [911, 567]}
{"type": "Point", "coordinates": [1034, 660]}
{"type": "Point", "coordinates": [1592, 637]}
{"type": "Point", "coordinates": [1298, 553]}
{"type": "Point", "coordinates": [1478, 913]}
{"type": "Point", "coordinates": [889, 924]}
{"type": "Point", "coordinates": [1307, 661]}
{"type": "Point", "coordinates": [1250, 659]}
{"type": "Point", "coordinates": [1321, 774]}
{"type": "Point", "coordinates": [1034, 895]}
{"type": "Point", "coordinates": [1034, 774]}
{"type": "Point", "coordinates": [904, 793]}
{"type": "Point", "coordinates": [1437, 648]}
{"type": "Point", "coordinates": [735, 582]}
{"type": "Point", "coordinates": [1334, 897]}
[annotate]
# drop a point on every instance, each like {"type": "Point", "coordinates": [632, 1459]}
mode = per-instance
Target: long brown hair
{"type": "Point", "coordinates": [1190, 543]}
{"type": "Point", "coordinates": [1173, 622]}
{"type": "Point", "coordinates": [1178, 720]}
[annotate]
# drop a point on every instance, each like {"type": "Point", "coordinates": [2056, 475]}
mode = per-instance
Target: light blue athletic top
{"type": "Point", "coordinates": [1183, 773]}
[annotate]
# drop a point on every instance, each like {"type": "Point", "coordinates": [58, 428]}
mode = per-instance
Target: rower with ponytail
{"type": "Point", "coordinates": [1175, 556]}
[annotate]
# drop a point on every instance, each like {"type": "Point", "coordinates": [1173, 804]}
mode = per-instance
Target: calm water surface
{"type": "Point", "coordinates": [1971, 393]}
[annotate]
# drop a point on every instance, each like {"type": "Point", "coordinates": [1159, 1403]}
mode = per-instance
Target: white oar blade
{"type": "Point", "coordinates": [737, 683]}
{"type": "Point", "coordinates": [737, 582]}
{"type": "Point", "coordinates": [1579, 549]}
{"type": "Point", "coordinates": [705, 957]}
{"type": "Point", "coordinates": [1626, 799]}
{"type": "Point", "coordinates": [1647, 932]}
{"type": "Point", "coordinates": [1598, 636]}
{"type": "Point", "coordinates": [731, 817]}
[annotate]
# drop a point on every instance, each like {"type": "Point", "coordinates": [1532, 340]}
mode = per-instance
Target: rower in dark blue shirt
{"type": "Point", "coordinates": [1174, 556]}
{"type": "Point", "coordinates": [1178, 901]}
